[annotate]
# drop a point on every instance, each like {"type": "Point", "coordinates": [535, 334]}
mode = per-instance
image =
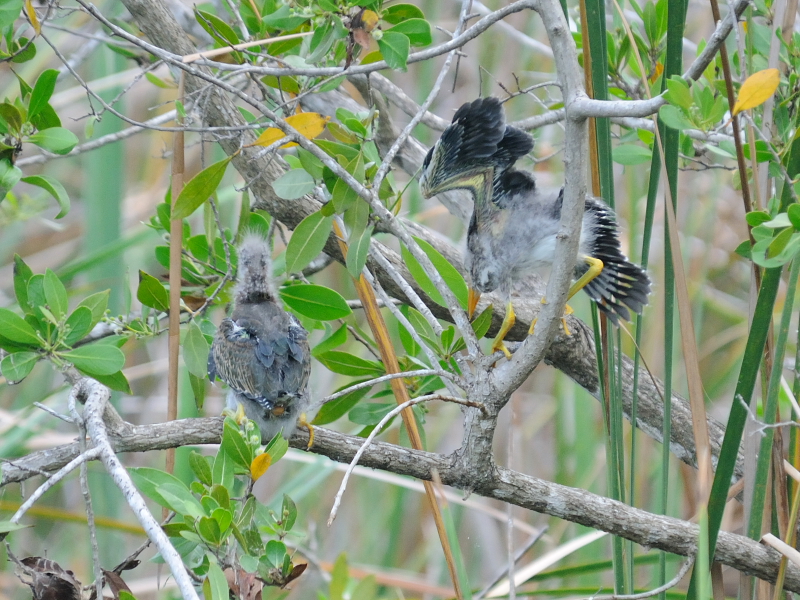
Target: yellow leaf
{"type": "Point", "coordinates": [260, 465]}
{"type": "Point", "coordinates": [757, 89]}
{"type": "Point", "coordinates": [309, 125]}
{"type": "Point", "coordinates": [657, 71]}
{"type": "Point", "coordinates": [369, 19]}
{"type": "Point", "coordinates": [29, 10]}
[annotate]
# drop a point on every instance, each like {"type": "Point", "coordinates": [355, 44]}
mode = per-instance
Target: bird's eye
{"type": "Point", "coordinates": [427, 160]}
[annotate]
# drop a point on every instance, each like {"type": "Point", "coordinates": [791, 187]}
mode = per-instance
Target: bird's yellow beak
{"type": "Point", "coordinates": [472, 301]}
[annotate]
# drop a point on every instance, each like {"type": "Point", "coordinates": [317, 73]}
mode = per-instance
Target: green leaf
{"type": "Point", "coordinates": [452, 278]}
{"type": "Point", "coordinates": [482, 322]}
{"type": "Point", "coordinates": [97, 303]}
{"type": "Point", "coordinates": [794, 215]}
{"type": "Point", "coordinates": [274, 552]}
{"type": "Point", "coordinates": [418, 31]}
{"type": "Point", "coordinates": [293, 184]}
{"type": "Point", "coordinates": [307, 241]}
{"type": "Point", "coordinates": [16, 367]}
{"type": "Point", "coordinates": [8, 526]}
{"type": "Point", "coordinates": [222, 470]}
{"type": "Point", "coordinates": [358, 251]}
{"type": "Point", "coordinates": [678, 92]}
{"type": "Point", "coordinates": [420, 276]}
{"type": "Point", "coordinates": [283, 19]}
{"type": "Point", "coordinates": [335, 409]}
{"type": "Point", "coordinates": [22, 274]}
{"type": "Point", "coordinates": [395, 48]}
{"type": "Point", "coordinates": [100, 359]}
{"type": "Point", "coordinates": [401, 12]}
{"type": "Point", "coordinates": [11, 117]}
{"type": "Point", "coordinates": [277, 447]}
{"type": "Point", "coordinates": [116, 381]}
{"type": "Point", "coordinates": [195, 351]}
{"type": "Point", "coordinates": [42, 91]}
{"type": "Point", "coordinates": [14, 328]}
{"type": "Point", "coordinates": [334, 340]}
{"type": "Point", "coordinates": [209, 530]}
{"type": "Point", "coordinates": [167, 490]}
{"type": "Point", "coordinates": [234, 444]}
{"type": "Point", "coordinates": [631, 154]}
{"type": "Point", "coordinates": [215, 587]}
{"type": "Point", "coordinates": [56, 295]}
{"type": "Point", "coordinates": [200, 467]}
{"type": "Point", "coordinates": [52, 187]}
{"type": "Point", "coordinates": [151, 292]}
{"type": "Point", "coordinates": [216, 27]}
{"type": "Point", "coordinates": [757, 217]}
{"type": "Point", "coordinates": [9, 12]}
{"type": "Point", "coordinates": [315, 301]}
{"type": "Point", "coordinates": [347, 364]}
{"type": "Point", "coordinates": [339, 578]}
{"type": "Point", "coordinates": [9, 177]}
{"type": "Point", "coordinates": [55, 139]}
{"type": "Point", "coordinates": [199, 188]}
{"type": "Point", "coordinates": [79, 324]}
{"type": "Point", "coordinates": [673, 117]}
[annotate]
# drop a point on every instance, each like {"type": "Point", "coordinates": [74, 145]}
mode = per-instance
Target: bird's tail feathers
{"type": "Point", "coordinates": [254, 277]}
{"type": "Point", "coordinates": [621, 286]}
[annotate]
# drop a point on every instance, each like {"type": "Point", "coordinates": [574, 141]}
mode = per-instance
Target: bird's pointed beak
{"type": "Point", "coordinates": [472, 301]}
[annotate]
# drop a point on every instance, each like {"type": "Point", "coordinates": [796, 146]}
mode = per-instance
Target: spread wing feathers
{"type": "Point", "coordinates": [479, 135]}
{"type": "Point", "coordinates": [270, 362]}
{"type": "Point", "coordinates": [622, 286]}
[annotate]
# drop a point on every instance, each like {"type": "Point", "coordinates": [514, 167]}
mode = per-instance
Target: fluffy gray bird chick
{"type": "Point", "coordinates": [514, 225]}
{"type": "Point", "coordinates": [261, 351]}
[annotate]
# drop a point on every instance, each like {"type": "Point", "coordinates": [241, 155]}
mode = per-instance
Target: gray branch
{"type": "Point", "coordinates": [571, 504]}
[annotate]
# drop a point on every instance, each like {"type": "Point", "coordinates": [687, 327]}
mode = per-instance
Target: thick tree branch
{"type": "Point", "coordinates": [571, 504]}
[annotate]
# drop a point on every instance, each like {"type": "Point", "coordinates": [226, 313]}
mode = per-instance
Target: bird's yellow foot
{"type": "Point", "coordinates": [567, 312]}
{"type": "Point", "coordinates": [508, 323]}
{"type": "Point", "coordinates": [499, 345]}
{"type": "Point", "coordinates": [302, 422]}
{"type": "Point", "coordinates": [237, 415]}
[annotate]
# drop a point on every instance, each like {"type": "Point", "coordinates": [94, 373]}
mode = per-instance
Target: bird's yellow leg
{"type": "Point", "coordinates": [302, 422]}
{"type": "Point", "coordinates": [595, 268]}
{"type": "Point", "coordinates": [567, 312]}
{"type": "Point", "coordinates": [508, 323]}
{"type": "Point", "coordinates": [237, 415]}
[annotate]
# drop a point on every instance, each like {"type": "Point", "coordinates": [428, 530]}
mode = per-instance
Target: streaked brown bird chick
{"type": "Point", "coordinates": [261, 351]}
{"type": "Point", "coordinates": [514, 225]}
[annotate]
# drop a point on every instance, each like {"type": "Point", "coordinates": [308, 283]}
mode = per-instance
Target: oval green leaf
{"type": "Point", "coordinates": [42, 91]}
{"type": "Point", "coordinates": [152, 293]}
{"type": "Point", "coordinates": [195, 351]}
{"type": "Point", "coordinates": [347, 364]}
{"type": "Point", "coordinates": [54, 188]}
{"type": "Point", "coordinates": [307, 241]}
{"type": "Point", "coordinates": [16, 367]}
{"type": "Point", "coordinates": [293, 184]}
{"type": "Point", "coordinates": [199, 188]}
{"type": "Point", "coordinates": [315, 302]}
{"type": "Point", "coordinates": [395, 48]}
{"type": "Point", "coordinates": [55, 139]}
{"type": "Point", "coordinates": [14, 328]}
{"type": "Point", "coordinates": [56, 295]}
{"type": "Point", "coordinates": [78, 324]}
{"type": "Point", "coordinates": [101, 359]}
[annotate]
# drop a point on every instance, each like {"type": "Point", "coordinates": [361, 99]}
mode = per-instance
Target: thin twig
{"type": "Point", "coordinates": [379, 427]}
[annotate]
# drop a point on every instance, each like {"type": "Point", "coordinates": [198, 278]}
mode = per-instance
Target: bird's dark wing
{"type": "Point", "coordinates": [477, 129]}
{"type": "Point", "coordinates": [514, 145]}
{"type": "Point", "coordinates": [283, 357]}
{"type": "Point", "coordinates": [621, 285]}
{"type": "Point", "coordinates": [212, 367]}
